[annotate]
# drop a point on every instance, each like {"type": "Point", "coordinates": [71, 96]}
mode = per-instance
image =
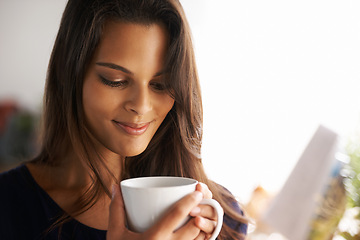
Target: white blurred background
{"type": "Point", "coordinates": [270, 71]}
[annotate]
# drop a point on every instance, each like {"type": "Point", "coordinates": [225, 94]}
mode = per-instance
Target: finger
{"type": "Point", "coordinates": [205, 211]}
{"type": "Point", "coordinates": [202, 187]}
{"type": "Point", "coordinates": [117, 213]}
{"type": "Point", "coordinates": [205, 225]}
{"type": "Point", "coordinates": [177, 213]}
{"type": "Point", "coordinates": [188, 231]}
{"type": "Point", "coordinates": [201, 236]}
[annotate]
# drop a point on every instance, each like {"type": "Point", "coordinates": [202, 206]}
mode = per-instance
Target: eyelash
{"type": "Point", "coordinates": [113, 83]}
{"type": "Point", "coordinates": [160, 87]}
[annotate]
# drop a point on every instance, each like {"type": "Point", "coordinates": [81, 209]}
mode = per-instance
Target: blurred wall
{"type": "Point", "coordinates": [27, 32]}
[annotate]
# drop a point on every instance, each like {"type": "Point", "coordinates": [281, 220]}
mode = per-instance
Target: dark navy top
{"type": "Point", "coordinates": [27, 212]}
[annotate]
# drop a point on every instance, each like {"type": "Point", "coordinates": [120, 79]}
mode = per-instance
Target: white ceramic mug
{"type": "Point", "coordinates": [146, 199]}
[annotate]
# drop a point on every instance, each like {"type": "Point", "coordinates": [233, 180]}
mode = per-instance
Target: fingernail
{"type": "Point", "coordinates": [199, 195]}
{"type": "Point", "coordinates": [201, 221]}
{"type": "Point", "coordinates": [202, 184]}
{"type": "Point", "coordinates": [195, 211]}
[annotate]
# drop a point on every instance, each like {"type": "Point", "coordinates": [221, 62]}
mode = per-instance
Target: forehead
{"type": "Point", "coordinates": [122, 37]}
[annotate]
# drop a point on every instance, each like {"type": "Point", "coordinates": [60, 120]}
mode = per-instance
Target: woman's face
{"type": "Point", "coordinates": [123, 93]}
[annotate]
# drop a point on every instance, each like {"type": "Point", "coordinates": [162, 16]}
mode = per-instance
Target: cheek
{"type": "Point", "coordinates": [96, 101]}
{"type": "Point", "coordinates": [89, 99]}
{"type": "Point", "coordinates": [166, 104]}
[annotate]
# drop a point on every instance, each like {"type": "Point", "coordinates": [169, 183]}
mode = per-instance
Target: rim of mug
{"type": "Point", "coordinates": [125, 182]}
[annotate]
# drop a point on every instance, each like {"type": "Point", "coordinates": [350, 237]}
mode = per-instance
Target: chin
{"type": "Point", "coordinates": [134, 152]}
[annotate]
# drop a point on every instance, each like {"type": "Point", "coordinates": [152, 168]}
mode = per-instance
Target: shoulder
{"type": "Point", "coordinates": [11, 201]}
{"type": "Point", "coordinates": [20, 204]}
{"type": "Point", "coordinates": [19, 187]}
{"type": "Point", "coordinates": [234, 216]}
{"type": "Point", "coordinates": [16, 188]}
{"type": "Point", "coordinates": [12, 179]}
{"type": "Point", "coordinates": [29, 212]}
{"type": "Point", "coordinates": [231, 199]}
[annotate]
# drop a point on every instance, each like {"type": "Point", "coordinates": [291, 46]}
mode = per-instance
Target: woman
{"type": "Point", "coordinates": [122, 100]}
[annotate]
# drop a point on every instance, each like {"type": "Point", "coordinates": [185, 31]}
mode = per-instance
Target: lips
{"type": "Point", "coordinates": [132, 128]}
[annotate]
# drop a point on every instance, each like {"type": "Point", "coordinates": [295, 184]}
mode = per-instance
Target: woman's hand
{"type": "Point", "coordinates": [204, 215]}
{"type": "Point", "coordinates": [164, 229]}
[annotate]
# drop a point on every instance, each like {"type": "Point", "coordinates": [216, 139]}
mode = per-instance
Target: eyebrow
{"type": "Point", "coordinates": [115, 66]}
{"type": "Point", "coordinates": [120, 68]}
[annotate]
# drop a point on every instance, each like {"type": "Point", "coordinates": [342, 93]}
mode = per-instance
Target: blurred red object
{"type": "Point", "coordinates": [7, 109]}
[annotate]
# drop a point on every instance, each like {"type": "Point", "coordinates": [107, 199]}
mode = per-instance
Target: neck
{"type": "Point", "coordinates": [67, 181]}
{"type": "Point", "coordinates": [72, 173]}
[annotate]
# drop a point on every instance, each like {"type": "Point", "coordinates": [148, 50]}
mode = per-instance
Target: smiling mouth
{"type": "Point", "coordinates": [131, 128]}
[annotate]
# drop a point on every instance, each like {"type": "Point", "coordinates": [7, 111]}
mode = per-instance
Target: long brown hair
{"type": "Point", "coordinates": [175, 148]}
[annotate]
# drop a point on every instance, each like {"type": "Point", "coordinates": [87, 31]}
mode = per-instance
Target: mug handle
{"type": "Point", "coordinates": [220, 213]}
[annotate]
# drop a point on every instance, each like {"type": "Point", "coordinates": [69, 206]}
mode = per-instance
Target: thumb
{"type": "Point", "coordinates": [117, 214]}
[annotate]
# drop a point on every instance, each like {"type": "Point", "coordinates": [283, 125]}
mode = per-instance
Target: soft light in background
{"type": "Point", "coordinates": [270, 71]}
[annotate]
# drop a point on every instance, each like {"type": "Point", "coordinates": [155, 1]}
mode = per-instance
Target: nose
{"type": "Point", "coordinates": [139, 100]}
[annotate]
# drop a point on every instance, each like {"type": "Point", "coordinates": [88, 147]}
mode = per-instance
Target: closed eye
{"type": "Point", "coordinates": [121, 83]}
{"type": "Point", "coordinates": [157, 86]}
